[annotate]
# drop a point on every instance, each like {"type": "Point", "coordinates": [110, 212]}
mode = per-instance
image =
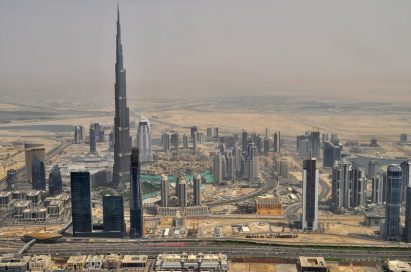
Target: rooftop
{"type": "Point", "coordinates": [312, 262]}
{"type": "Point", "coordinates": [134, 258]}
{"type": "Point", "coordinates": [77, 259]}
{"type": "Point", "coordinates": [399, 266]}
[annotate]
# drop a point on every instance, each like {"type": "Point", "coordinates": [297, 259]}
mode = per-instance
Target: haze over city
{"type": "Point", "coordinates": [209, 48]}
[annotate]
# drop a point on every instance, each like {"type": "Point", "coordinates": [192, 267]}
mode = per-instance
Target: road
{"type": "Point", "coordinates": [270, 183]}
{"type": "Point", "coordinates": [231, 249]}
{"type": "Point", "coordinates": [49, 155]}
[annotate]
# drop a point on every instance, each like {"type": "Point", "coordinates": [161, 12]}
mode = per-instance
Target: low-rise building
{"type": "Point", "coordinates": [15, 263]}
{"type": "Point", "coordinates": [312, 264]}
{"type": "Point", "coordinates": [5, 198]}
{"type": "Point", "coordinates": [191, 262]}
{"type": "Point", "coordinates": [268, 205]}
{"type": "Point", "coordinates": [134, 263]}
{"type": "Point", "coordinates": [57, 266]}
{"type": "Point", "coordinates": [76, 263]}
{"type": "Point", "coordinates": [112, 261]}
{"type": "Point", "coordinates": [94, 262]}
{"type": "Point", "coordinates": [398, 266]}
{"type": "Point", "coordinates": [40, 262]}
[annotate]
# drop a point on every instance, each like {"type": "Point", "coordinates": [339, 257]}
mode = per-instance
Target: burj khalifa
{"type": "Point", "coordinates": [122, 139]}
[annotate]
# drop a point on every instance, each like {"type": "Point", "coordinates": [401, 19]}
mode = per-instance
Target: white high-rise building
{"type": "Point", "coordinates": [144, 140]}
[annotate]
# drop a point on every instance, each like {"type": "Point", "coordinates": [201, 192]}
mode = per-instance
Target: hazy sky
{"type": "Point", "coordinates": [199, 48]}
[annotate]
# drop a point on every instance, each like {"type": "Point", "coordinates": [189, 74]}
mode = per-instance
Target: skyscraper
{"type": "Point", "coordinates": [113, 214]}
{"type": "Point", "coordinates": [38, 174]}
{"type": "Point", "coordinates": [359, 185]}
{"type": "Point", "coordinates": [92, 138]}
{"type": "Point", "coordinates": [165, 138]}
{"type": "Point", "coordinates": [230, 171]}
{"type": "Point", "coordinates": [218, 168]}
{"type": "Point", "coordinates": [195, 142]}
{"type": "Point", "coordinates": [193, 130]}
{"type": "Point", "coordinates": [175, 140]}
{"type": "Point", "coordinates": [237, 158]}
{"type": "Point", "coordinates": [392, 208]}
{"type": "Point", "coordinates": [310, 195]}
{"type": "Point", "coordinates": [244, 140]}
{"type": "Point", "coordinates": [331, 154]}
{"type": "Point", "coordinates": [185, 141]}
{"type": "Point", "coordinates": [31, 151]}
{"type": "Point", "coordinates": [377, 190]}
{"type": "Point", "coordinates": [277, 142]}
{"type": "Point", "coordinates": [197, 190]}
{"type": "Point", "coordinates": [372, 168]}
{"type": "Point", "coordinates": [165, 191]}
{"type": "Point", "coordinates": [122, 139]}
{"type": "Point", "coordinates": [78, 134]}
{"type": "Point", "coordinates": [136, 197]}
{"type": "Point", "coordinates": [55, 181]}
{"type": "Point", "coordinates": [407, 230]}
{"type": "Point", "coordinates": [80, 202]}
{"type": "Point", "coordinates": [182, 193]}
{"type": "Point", "coordinates": [266, 145]}
{"type": "Point", "coordinates": [341, 185]}
{"type": "Point", "coordinates": [252, 163]}
{"type": "Point", "coordinates": [315, 143]}
{"type": "Point", "coordinates": [11, 179]}
{"type": "Point", "coordinates": [144, 140]}
{"type": "Point", "coordinates": [405, 179]}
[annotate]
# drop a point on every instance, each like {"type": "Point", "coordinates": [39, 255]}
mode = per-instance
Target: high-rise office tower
{"type": "Point", "coordinates": [144, 140]}
{"type": "Point", "coordinates": [325, 137]}
{"type": "Point", "coordinates": [267, 133]}
{"type": "Point", "coordinates": [136, 197]}
{"type": "Point", "coordinates": [31, 151]}
{"type": "Point", "coordinates": [38, 174]}
{"type": "Point", "coordinates": [185, 141]}
{"type": "Point", "coordinates": [11, 179]}
{"type": "Point", "coordinates": [392, 208]}
{"type": "Point", "coordinates": [221, 148]}
{"type": "Point", "coordinates": [182, 193]}
{"type": "Point", "coordinates": [165, 139]}
{"type": "Point", "coordinates": [377, 190]}
{"type": "Point", "coordinates": [266, 145]}
{"type": "Point", "coordinates": [122, 139]}
{"type": "Point", "coordinates": [384, 186]}
{"type": "Point", "coordinates": [165, 191]}
{"type": "Point", "coordinates": [331, 154]}
{"type": "Point", "coordinates": [407, 230]}
{"type": "Point", "coordinates": [55, 181]}
{"type": "Point", "coordinates": [359, 184]}
{"type": "Point", "coordinates": [405, 179]}
{"type": "Point", "coordinates": [283, 168]}
{"type": "Point", "coordinates": [334, 139]}
{"type": "Point", "coordinates": [341, 185]}
{"type": "Point", "coordinates": [195, 142]}
{"type": "Point", "coordinates": [252, 163]}
{"type": "Point", "coordinates": [310, 195]}
{"type": "Point", "coordinates": [224, 167]}
{"type": "Point", "coordinates": [244, 140]}
{"type": "Point", "coordinates": [180, 178]}
{"type": "Point", "coordinates": [192, 131]}
{"type": "Point", "coordinates": [230, 170]}
{"type": "Point", "coordinates": [212, 132]}
{"type": "Point", "coordinates": [218, 168]}
{"type": "Point", "coordinates": [237, 158]}
{"type": "Point", "coordinates": [197, 191]}
{"type": "Point", "coordinates": [277, 142]}
{"type": "Point", "coordinates": [372, 168]}
{"type": "Point", "coordinates": [81, 202]}
{"type": "Point", "coordinates": [92, 138]}
{"type": "Point", "coordinates": [315, 144]}
{"type": "Point", "coordinates": [175, 139]}
{"type": "Point", "coordinates": [403, 138]}
{"type": "Point", "coordinates": [113, 214]}
{"type": "Point", "coordinates": [78, 134]}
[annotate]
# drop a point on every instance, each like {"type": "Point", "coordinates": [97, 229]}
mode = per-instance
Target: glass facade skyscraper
{"type": "Point", "coordinates": [81, 202]}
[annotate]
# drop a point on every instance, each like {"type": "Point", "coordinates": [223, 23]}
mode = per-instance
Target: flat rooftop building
{"type": "Point", "coordinates": [134, 263]}
{"type": "Point", "coordinates": [268, 205]}
{"type": "Point", "coordinates": [12, 262]}
{"type": "Point", "coordinates": [40, 262]}
{"type": "Point", "coordinates": [191, 262]}
{"type": "Point", "coordinates": [76, 263]}
{"type": "Point", "coordinates": [398, 266]}
{"type": "Point", "coordinates": [312, 264]}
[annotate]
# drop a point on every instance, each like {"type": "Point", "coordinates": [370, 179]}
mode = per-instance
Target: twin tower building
{"type": "Point", "coordinates": [126, 169]}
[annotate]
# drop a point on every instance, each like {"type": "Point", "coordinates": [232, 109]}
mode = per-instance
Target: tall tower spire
{"type": "Point", "coordinates": [122, 139]}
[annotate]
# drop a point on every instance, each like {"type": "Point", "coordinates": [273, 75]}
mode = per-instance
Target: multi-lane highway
{"type": "Point", "coordinates": [232, 249]}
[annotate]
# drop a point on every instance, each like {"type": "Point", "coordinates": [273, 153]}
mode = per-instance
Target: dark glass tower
{"type": "Point", "coordinates": [55, 181]}
{"type": "Point", "coordinates": [113, 213]}
{"type": "Point", "coordinates": [310, 195]}
{"type": "Point", "coordinates": [122, 140]}
{"type": "Point", "coordinates": [80, 202]}
{"type": "Point", "coordinates": [136, 197]}
{"type": "Point", "coordinates": [392, 208]}
{"type": "Point", "coordinates": [38, 174]}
